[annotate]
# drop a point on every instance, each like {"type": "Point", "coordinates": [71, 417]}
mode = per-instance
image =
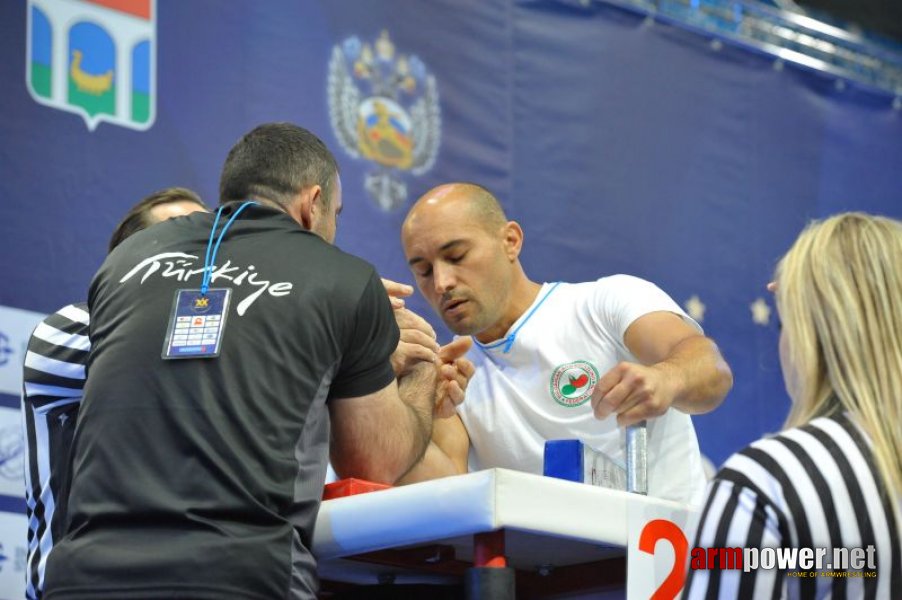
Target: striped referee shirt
{"type": "Point", "coordinates": [815, 486]}
{"type": "Point", "coordinates": [54, 377]}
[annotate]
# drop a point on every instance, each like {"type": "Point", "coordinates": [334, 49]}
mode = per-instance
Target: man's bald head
{"type": "Point", "coordinates": [464, 254]}
{"type": "Point", "coordinates": [480, 206]}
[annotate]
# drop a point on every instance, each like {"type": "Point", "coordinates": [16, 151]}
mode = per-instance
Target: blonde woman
{"type": "Point", "coordinates": [833, 478]}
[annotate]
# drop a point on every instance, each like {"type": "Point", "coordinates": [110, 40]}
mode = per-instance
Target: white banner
{"type": "Point", "coordinates": [16, 326]}
{"type": "Point", "coordinates": [12, 446]}
{"type": "Point", "coordinates": [13, 542]}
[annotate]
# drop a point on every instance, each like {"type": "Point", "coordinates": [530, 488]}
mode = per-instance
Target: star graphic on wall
{"type": "Point", "coordinates": [760, 311]}
{"type": "Point", "coordinates": [696, 308]}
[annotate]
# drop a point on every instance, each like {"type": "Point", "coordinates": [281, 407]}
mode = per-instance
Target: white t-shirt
{"type": "Point", "coordinates": [538, 387]}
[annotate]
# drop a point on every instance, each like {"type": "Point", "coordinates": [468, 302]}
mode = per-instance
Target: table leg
{"type": "Point", "coordinates": [490, 578]}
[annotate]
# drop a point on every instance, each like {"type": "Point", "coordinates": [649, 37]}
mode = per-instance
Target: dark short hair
{"type": "Point", "coordinates": [274, 162]}
{"type": "Point", "coordinates": [138, 217]}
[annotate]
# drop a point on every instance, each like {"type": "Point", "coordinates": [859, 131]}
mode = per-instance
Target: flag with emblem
{"type": "Point", "coordinates": [95, 58]}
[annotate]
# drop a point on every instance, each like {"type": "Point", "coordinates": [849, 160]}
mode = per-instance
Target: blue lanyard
{"type": "Point", "coordinates": [512, 337]}
{"type": "Point", "coordinates": [209, 260]}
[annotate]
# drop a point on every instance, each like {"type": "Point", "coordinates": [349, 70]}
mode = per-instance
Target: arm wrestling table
{"type": "Point", "coordinates": [560, 536]}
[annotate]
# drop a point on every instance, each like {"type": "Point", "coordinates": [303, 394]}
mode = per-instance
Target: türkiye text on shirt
{"type": "Point", "coordinates": [183, 267]}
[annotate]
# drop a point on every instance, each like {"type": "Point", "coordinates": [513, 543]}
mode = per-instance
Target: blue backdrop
{"type": "Point", "coordinates": [619, 144]}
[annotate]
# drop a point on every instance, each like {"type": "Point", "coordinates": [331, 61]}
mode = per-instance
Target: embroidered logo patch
{"type": "Point", "coordinates": [572, 383]}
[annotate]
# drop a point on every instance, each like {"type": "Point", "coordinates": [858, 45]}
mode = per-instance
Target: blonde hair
{"type": "Point", "coordinates": [839, 294]}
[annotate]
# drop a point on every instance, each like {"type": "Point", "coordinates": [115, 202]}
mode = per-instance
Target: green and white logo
{"type": "Point", "coordinates": [572, 383]}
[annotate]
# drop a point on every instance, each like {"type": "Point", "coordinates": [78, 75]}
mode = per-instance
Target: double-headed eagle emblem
{"type": "Point", "coordinates": [384, 108]}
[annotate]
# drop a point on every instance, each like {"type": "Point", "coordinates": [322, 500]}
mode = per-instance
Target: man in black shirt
{"type": "Point", "coordinates": [201, 477]}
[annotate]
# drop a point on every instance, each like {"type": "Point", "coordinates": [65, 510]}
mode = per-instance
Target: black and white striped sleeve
{"type": "Point", "coordinates": [56, 357]}
{"type": "Point", "coordinates": [736, 515]}
{"type": "Point", "coordinates": [53, 380]}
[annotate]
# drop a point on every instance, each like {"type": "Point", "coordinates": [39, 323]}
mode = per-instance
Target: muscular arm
{"type": "Point", "coordinates": [680, 368]}
{"type": "Point", "coordinates": [450, 445]}
{"type": "Point", "coordinates": [379, 436]}
{"type": "Point", "coordinates": [446, 454]}
{"type": "Point", "coordinates": [692, 362]}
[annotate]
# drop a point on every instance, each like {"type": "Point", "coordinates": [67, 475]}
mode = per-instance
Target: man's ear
{"type": "Point", "coordinates": [513, 239]}
{"type": "Point", "coordinates": [309, 207]}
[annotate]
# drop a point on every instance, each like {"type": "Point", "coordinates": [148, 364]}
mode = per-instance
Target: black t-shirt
{"type": "Point", "coordinates": [201, 478]}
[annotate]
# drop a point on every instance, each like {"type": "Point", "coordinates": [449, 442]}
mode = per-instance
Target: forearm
{"type": "Point", "coordinates": [450, 445]}
{"type": "Point", "coordinates": [379, 437]}
{"type": "Point", "coordinates": [700, 376]}
{"type": "Point", "coordinates": [434, 464]}
{"type": "Point", "coordinates": [446, 454]}
{"type": "Point", "coordinates": [417, 392]}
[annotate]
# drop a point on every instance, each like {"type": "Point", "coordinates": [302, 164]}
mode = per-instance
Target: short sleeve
{"type": "Point", "coordinates": [55, 363]}
{"type": "Point", "coordinates": [366, 360]}
{"type": "Point", "coordinates": [621, 299]}
{"type": "Point", "coordinates": [735, 516]}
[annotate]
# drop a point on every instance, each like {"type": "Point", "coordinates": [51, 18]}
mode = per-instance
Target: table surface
{"type": "Point", "coordinates": [548, 522]}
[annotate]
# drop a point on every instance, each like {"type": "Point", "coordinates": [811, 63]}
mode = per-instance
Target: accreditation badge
{"type": "Point", "coordinates": [196, 324]}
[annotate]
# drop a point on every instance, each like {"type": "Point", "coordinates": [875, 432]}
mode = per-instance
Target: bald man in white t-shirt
{"type": "Point", "coordinates": [556, 360]}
